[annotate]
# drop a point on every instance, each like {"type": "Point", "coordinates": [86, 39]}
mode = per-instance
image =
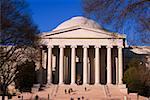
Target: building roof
{"type": "Point", "coordinates": [80, 27]}
{"type": "Point", "coordinates": [141, 49]}
{"type": "Point", "coordinates": [78, 21]}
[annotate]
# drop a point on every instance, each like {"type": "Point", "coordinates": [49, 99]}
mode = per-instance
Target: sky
{"type": "Point", "coordinates": [47, 14]}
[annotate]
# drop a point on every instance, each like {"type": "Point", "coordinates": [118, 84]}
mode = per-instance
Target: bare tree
{"type": "Point", "coordinates": [122, 16]}
{"type": "Point", "coordinates": [17, 39]}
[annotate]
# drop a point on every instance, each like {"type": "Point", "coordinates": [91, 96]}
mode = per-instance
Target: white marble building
{"type": "Point", "coordinates": [81, 51]}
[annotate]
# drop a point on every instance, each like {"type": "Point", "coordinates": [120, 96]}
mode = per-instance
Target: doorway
{"type": "Point", "coordinates": [79, 73]}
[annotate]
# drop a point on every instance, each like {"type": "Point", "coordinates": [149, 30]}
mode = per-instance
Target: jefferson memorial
{"type": "Point", "coordinates": [80, 51]}
{"type": "Point", "coordinates": [81, 60]}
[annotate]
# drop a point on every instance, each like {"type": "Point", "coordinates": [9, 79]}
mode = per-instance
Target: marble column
{"type": "Point", "coordinates": [97, 65]}
{"type": "Point", "coordinates": [85, 63]}
{"type": "Point", "coordinates": [73, 64]}
{"type": "Point", "coordinates": [49, 68]}
{"type": "Point", "coordinates": [116, 63]}
{"type": "Point", "coordinates": [44, 61]}
{"type": "Point", "coordinates": [61, 63]}
{"type": "Point", "coordinates": [120, 64]}
{"type": "Point", "coordinates": [109, 69]}
{"type": "Point", "coordinates": [88, 71]}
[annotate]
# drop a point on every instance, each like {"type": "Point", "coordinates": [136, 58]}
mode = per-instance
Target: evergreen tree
{"type": "Point", "coordinates": [25, 77]}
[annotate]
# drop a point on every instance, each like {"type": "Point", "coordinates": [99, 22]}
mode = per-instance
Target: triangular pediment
{"type": "Point", "coordinates": [81, 32]}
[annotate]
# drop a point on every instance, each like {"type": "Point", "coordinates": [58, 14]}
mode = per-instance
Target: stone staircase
{"type": "Point", "coordinates": [113, 92]}
{"type": "Point", "coordinates": [92, 92]}
{"type": "Point", "coordinates": [84, 92]}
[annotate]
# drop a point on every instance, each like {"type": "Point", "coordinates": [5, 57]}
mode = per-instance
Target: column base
{"type": "Point", "coordinates": [85, 84]}
{"type": "Point", "coordinates": [122, 85]}
{"type": "Point", "coordinates": [123, 88]}
{"type": "Point", "coordinates": [48, 84]}
{"type": "Point", "coordinates": [73, 84]}
{"type": "Point", "coordinates": [96, 83]}
{"type": "Point", "coordinates": [109, 84]}
{"type": "Point", "coordinates": [61, 83]}
{"type": "Point", "coordinates": [35, 88]}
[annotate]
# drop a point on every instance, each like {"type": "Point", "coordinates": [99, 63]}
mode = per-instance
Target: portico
{"type": "Point", "coordinates": [79, 50]}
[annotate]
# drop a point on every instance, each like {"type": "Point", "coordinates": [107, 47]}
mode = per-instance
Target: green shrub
{"type": "Point", "coordinates": [26, 76]}
{"type": "Point", "coordinates": [137, 78]}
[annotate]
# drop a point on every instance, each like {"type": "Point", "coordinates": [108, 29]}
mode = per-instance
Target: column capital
{"type": "Point", "coordinates": [119, 46]}
{"type": "Point", "coordinates": [85, 46]}
{"type": "Point", "coordinates": [61, 46]}
{"type": "Point", "coordinates": [97, 46]}
{"type": "Point", "coordinates": [73, 46]}
{"type": "Point", "coordinates": [50, 46]}
{"type": "Point", "coordinates": [109, 46]}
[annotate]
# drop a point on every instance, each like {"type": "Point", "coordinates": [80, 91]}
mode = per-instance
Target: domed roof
{"type": "Point", "coordinates": [78, 21]}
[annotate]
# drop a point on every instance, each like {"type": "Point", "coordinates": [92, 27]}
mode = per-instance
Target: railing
{"type": "Point", "coordinates": [53, 91]}
{"type": "Point", "coordinates": [107, 92]}
{"type": "Point", "coordinates": [56, 89]}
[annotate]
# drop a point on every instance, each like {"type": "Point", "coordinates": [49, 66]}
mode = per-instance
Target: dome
{"type": "Point", "coordinates": [78, 21]}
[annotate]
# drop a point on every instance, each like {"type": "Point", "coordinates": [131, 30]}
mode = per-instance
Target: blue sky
{"type": "Point", "coordinates": [47, 14]}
